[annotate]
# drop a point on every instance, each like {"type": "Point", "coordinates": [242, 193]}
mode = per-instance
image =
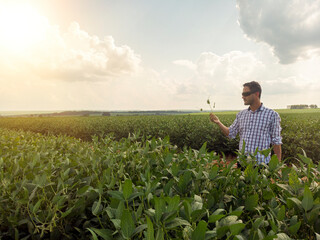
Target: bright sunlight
{"type": "Point", "coordinates": [21, 27]}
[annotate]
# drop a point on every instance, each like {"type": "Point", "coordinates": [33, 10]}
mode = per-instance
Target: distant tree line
{"type": "Point", "coordinates": [302, 106]}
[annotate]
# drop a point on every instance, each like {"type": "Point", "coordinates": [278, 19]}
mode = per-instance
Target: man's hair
{"type": "Point", "coordinates": [254, 87]}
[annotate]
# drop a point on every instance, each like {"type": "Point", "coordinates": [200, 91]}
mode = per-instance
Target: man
{"type": "Point", "coordinates": [258, 126]}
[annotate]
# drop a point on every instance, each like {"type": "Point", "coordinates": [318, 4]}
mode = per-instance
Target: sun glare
{"type": "Point", "coordinates": [21, 27]}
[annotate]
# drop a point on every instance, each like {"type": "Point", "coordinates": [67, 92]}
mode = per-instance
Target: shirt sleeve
{"type": "Point", "coordinates": [275, 130]}
{"type": "Point", "coordinates": [234, 128]}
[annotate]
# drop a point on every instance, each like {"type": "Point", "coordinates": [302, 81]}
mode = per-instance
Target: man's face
{"type": "Point", "coordinates": [248, 100]}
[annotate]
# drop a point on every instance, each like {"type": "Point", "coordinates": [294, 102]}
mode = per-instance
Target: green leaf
{"type": "Point", "coordinates": [168, 187]}
{"type": "Point", "coordinates": [83, 190]}
{"type": "Point", "coordinates": [294, 180]}
{"type": "Point", "coordinates": [176, 223]}
{"type": "Point", "coordinates": [139, 229]}
{"type": "Point", "coordinates": [119, 210]}
{"type": "Point", "coordinates": [273, 164]}
{"type": "Point", "coordinates": [257, 223]}
{"type": "Point", "coordinates": [273, 226]}
{"type": "Point", "coordinates": [214, 218]}
{"type": "Point", "coordinates": [219, 211]}
{"type": "Point", "coordinates": [197, 203]}
{"type": "Point", "coordinates": [135, 195]}
{"type": "Point", "coordinates": [227, 221]}
{"type": "Point", "coordinates": [260, 234]}
{"type": "Point", "coordinates": [270, 237]}
{"type": "Point", "coordinates": [217, 215]}
{"type": "Point", "coordinates": [173, 203]}
{"type": "Point", "coordinates": [150, 230]}
{"type": "Point", "coordinates": [96, 207]}
{"type": "Point", "coordinates": [175, 169]}
{"type": "Point", "coordinates": [168, 158]}
{"type": "Point", "coordinates": [267, 194]}
{"type": "Point", "coordinates": [127, 224]}
{"type": "Point", "coordinates": [265, 152]}
{"type": "Point", "coordinates": [159, 207]}
{"type": "Point", "coordinates": [16, 234]}
{"type": "Point", "coordinates": [94, 236]}
{"type": "Point", "coordinates": [283, 236]}
{"type": "Point", "coordinates": [251, 202]}
{"type": "Point", "coordinates": [116, 194]}
{"type": "Point", "coordinates": [184, 181]}
{"type": "Point", "coordinates": [237, 212]}
{"type": "Point", "coordinates": [160, 234]}
{"type": "Point", "coordinates": [221, 231]}
{"type": "Point", "coordinates": [240, 237]}
{"type": "Point", "coordinates": [203, 149]}
{"type": "Point", "coordinates": [313, 215]}
{"type": "Point", "coordinates": [237, 228]}
{"type": "Point", "coordinates": [198, 214]}
{"type": "Point", "coordinates": [305, 159]}
{"type": "Point", "coordinates": [187, 209]}
{"type": "Point", "coordinates": [138, 213]}
{"type": "Point", "coordinates": [127, 189]}
{"type": "Point", "coordinates": [294, 228]}
{"type": "Point", "coordinates": [106, 234]}
{"type": "Point", "coordinates": [294, 220]}
{"type": "Point", "coordinates": [294, 202]}
{"type": "Point", "coordinates": [116, 223]}
{"type": "Point", "coordinates": [200, 231]}
{"type": "Point", "coordinates": [307, 201]}
{"type": "Point", "coordinates": [281, 213]}
{"type": "Point", "coordinates": [36, 207]}
{"type": "Point", "coordinates": [213, 172]}
{"type": "Point", "coordinates": [285, 187]}
{"type": "Point", "coordinates": [66, 213]}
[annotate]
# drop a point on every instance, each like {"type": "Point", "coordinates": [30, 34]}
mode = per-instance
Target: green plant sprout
{"type": "Point", "coordinates": [211, 106]}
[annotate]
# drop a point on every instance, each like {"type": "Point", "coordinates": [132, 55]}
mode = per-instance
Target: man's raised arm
{"type": "Point", "coordinates": [215, 119]}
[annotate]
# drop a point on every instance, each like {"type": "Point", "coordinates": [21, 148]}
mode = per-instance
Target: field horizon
{"type": "Point", "coordinates": [129, 112]}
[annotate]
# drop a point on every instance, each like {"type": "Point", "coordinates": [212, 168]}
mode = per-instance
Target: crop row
{"type": "Point", "coordinates": [298, 130]}
{"type": "Point", "coordinates": [57, 187]}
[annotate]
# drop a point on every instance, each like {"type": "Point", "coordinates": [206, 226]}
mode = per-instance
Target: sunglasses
{"type": "Point", "coordinates": [246, 94]}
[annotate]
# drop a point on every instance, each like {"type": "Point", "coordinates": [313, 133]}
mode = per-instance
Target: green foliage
{"type": "Point", "coordinates": [299, 129]}
{"type": "Point", "coordinates": [60, 187]}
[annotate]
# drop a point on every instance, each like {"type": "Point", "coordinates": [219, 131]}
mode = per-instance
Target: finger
{"type": "Point", "coordinates": [215, 118]}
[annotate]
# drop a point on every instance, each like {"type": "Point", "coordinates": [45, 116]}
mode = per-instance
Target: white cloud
{"type": "Point", "coordinates": [72, 56]}
{"type": "Point", "coordinates": [219, 77]}
{"type": "Point", "coordinates": [185, 63]}
{"type": "Point", "coordinates": [214, 73]}
{"type": "Point", "coordinates": [222, 77]}
{"type": "Point", "coordinates": [291, 28]}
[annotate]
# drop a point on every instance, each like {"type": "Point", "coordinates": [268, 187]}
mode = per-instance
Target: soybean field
{"type": "Point", "coordinates": [300, 129]}
{"type": "Point", "coordinates": [154, 177]}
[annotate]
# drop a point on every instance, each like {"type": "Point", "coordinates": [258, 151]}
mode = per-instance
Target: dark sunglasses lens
{"type": "Point", "coordinates": [246, 94]}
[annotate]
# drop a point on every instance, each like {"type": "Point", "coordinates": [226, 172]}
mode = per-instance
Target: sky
{"type": "Point", "coordinates": [157, 55]}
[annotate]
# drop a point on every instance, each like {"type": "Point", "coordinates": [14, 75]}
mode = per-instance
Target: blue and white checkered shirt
{"type": "Point", "coordinates": [259, 129]}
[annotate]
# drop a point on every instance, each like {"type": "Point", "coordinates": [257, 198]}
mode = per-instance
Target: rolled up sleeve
{"type": "Point", "coordinates": [275, 130]}
{"type": "Point", "coordinates": [234, 128]}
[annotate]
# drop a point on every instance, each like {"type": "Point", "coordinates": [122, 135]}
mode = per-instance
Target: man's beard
{"type": "Point", "coordinates": [247, 102]}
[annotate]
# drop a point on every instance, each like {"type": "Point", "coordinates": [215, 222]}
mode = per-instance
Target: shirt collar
{"type": "Point", "coordinates": [261, 108]}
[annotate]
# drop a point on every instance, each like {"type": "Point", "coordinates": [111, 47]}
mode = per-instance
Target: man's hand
{"type": "Point", "coordinates": [214, 118]}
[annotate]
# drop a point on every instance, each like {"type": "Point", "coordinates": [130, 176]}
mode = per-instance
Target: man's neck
{"type": "Point", "coordinates": [255, 106]}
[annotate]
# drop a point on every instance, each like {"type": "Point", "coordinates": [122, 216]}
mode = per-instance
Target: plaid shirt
{"type": "Point", "coordinates": [258, 129]}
